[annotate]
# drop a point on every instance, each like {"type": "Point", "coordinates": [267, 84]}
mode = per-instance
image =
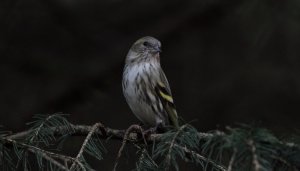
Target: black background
{"type": "Point", "coordinates": [227, 62]}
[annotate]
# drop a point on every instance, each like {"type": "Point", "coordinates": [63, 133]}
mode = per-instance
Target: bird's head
{"type": "Point", "coordinates": [145, 47]}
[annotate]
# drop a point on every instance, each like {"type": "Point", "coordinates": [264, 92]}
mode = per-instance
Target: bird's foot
{"type": "Point", "coordinates": [154, 130]}
{"type": "Point", "coordinates": [151, 130]}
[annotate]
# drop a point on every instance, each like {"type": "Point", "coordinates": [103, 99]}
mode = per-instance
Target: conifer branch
{"type": "Point", "coordinates": [255, 161]}
{"type": "Point", "coordinates": [266, 150]}
{"type": "Point", "coordinates": [104, 133]}
{"type": "Point", "coordinates": [125, 139]}
{"type": "Point", "coordinates": [47, 155]}
{"type": "Point", "coordinates": [172, 144]}
{"type": "Point", "coordinates": [87, 139]}
{"type": "Point", "coordinates": [232, 159]}
{"type": "Point", "coordinates": [194, 153]}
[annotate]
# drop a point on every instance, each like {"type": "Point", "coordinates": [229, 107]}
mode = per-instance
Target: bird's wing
{"type": "Point", "coordinates": [163, 91]}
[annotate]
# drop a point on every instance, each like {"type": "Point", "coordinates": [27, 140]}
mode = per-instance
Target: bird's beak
{"type": "Point", "coordinates": [157, 49]}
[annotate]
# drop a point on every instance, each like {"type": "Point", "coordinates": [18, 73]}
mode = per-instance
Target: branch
{"type": "Point", "coordinates": [231, 162]}
{"type": "Point", "coordinates": [88, 137]}
{"type": "Point", "coordinates": [125, 139]}
{"type": "Point", "coordinates": [194, 153]}
{"type": "Point", "coordinates": [255, 161]}
{"type": "Point", "coordinates": [168, 157]}
{"type": "Point", "coordinates": [131, 134]}
{"type": "Point", "coordinates": [37, 131]}
{"type": "Point", "coordinates": [45, 154]}
{"type": "Point", "coordinates": [103, 132]}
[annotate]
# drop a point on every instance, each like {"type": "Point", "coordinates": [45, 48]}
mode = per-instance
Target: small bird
{"type": "Point", "coordinates": [146, 87]}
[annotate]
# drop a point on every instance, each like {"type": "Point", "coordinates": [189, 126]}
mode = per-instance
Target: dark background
{"type": "Point", "coordinates": [227, 62]}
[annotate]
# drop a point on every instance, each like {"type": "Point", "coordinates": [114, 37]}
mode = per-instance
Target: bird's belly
{"type": "Point", "coordinates": [141, 109]}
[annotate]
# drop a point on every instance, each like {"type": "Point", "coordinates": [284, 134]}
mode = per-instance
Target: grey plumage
{"type": "Point", "coordinates": [145, 85]}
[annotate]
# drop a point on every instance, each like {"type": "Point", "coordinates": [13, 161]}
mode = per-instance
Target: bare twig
{"type": "Point", "coordinates": [88, 137]}
{"type": "Point", "coordinates": [231, 162]}
{"type": "Point", "coordinates": [200, 157]}
{"type": "Point", "coordinates": [255, 161]}
{"type": "Point", "coordinates": [125, 139]}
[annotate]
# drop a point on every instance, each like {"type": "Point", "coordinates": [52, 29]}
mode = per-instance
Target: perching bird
{"type": "Point", "coordinates": [146, 87]}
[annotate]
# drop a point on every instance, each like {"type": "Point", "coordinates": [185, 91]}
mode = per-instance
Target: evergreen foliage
{"type": "Point", "coordinates": [245, 148]}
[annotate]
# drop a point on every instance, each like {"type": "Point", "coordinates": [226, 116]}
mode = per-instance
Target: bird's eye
{"type": "Point", "coordinates": [147, 44]}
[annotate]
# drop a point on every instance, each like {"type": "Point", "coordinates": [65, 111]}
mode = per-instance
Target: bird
{"type": "Point", "coordinates": [145, 86]}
